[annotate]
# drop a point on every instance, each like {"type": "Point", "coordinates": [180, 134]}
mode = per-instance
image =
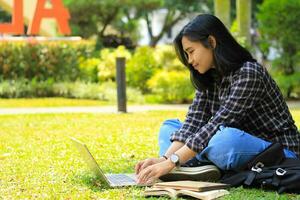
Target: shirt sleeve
{"type": "Point", "coordinates": [197, 116]}
{"type": "Point", "coordinates": [244, 93]}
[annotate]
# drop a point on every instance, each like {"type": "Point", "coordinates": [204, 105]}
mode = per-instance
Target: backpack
{"type": "Point", "coordinates": [268, 170]}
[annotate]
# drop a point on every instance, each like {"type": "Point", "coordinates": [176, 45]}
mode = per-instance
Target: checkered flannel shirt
{"type": "Point", "coordinates": [248, 99]}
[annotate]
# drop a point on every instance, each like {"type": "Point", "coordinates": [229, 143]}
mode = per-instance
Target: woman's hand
{"type": "Point", "coordinates": [153, 172]}
{"type": "Point", "coordinates": [145, 163]}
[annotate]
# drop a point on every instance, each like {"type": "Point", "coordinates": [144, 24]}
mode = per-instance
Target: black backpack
{"type": "Point", "coordinates": [268, 170]}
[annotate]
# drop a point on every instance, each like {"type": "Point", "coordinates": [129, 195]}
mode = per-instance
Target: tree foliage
{"type": "Point", "coordinates": [4, 16]}
{"type": "Point", "coordinates": [176, 10]}
{"type": "Point", "coordinates": [121, 17]}
{"type": "Point", "coordinates": [279, 26]}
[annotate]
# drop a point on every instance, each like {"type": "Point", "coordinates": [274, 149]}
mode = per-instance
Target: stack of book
{"type": "Point", "coordinates": [197, 189]}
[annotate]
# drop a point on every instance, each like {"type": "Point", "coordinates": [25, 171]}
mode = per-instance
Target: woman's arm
{"type": "Point", "coordinates": [173, 148]}
{"type": "Point", "coordinates": [198, 115]}
{"type": "Point", "coordinates": [153, 172]}
{"type": "Point", "coordinates": [151, 161]}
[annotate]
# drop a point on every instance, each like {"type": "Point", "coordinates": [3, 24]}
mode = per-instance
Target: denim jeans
{"type": "Point", "coordinates": [229, 149]}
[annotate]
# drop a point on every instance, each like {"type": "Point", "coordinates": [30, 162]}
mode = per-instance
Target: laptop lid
{"type": "Point", "coordinates": [91, 162]}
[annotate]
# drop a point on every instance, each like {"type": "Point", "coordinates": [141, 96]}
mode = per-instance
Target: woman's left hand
{"type": "Point", "coordinates": [153, 172]}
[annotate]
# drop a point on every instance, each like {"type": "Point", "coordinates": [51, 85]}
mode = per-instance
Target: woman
{"type": "Point", "coordinates": [237, 112]}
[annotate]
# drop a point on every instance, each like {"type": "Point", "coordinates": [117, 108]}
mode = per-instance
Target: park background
{"type": "Point", "coordinates": [52, 70]}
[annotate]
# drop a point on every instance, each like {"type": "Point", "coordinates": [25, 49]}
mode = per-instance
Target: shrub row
{"type": "Point", "coordinates": [154, 71]}
{"type": "Point", "coordinates": [57, 60]}
{"type": "Point", "coordinates": [44, 69]}
{"type": "Point", "coordinates": [23, 88]}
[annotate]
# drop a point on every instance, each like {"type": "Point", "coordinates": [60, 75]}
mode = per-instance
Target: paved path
{"type": "Point", "coordinates": [106, 109]}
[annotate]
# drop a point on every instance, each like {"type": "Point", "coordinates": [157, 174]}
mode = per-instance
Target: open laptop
{"type": "Point", "coordinates": [111, 180]}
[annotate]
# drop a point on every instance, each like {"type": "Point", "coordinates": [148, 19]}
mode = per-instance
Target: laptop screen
{"type": "Point", "coordinates": [91, 162]}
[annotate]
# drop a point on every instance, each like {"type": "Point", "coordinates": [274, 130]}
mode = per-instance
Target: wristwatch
{"type": "Point", "coordinates": [175, 159]}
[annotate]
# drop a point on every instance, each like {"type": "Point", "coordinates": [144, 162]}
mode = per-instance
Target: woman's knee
{"type": "Point", "coordinates": [167, 128]}
{"type": "Point", "coordinates": [226, 137]}
{"type": "Point", "coordinates": [227, 148]}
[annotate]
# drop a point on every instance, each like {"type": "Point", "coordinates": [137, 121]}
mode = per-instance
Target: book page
{"type": "Point", "coordinates": [208, 195]}
{"type": "Point", "coordinates": [191, 185]}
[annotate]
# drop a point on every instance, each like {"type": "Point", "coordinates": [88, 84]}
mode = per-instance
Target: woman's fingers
{"type": "Point", "coordinates": [146, 164]}
{"type": "Point", "coordinates": [138, 167]}
{"type": "Point", "coordinates": [154, 172]}
{"type": "Point", "coordinates": [142, 165]}
{"type": "Point", "coordinates": [143, 177]}
{"type": "Point", "coordinates": [148, 175]}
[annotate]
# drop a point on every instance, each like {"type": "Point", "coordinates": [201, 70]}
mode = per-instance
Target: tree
{"type": "Point", "coordinates": [103, 19]}
{"type": "Point", "coordinates": [176, 11]}
{"type": "Point", "coordinates": [4, 16]}
{"type": "Point", "coordinates": [121, 17]}
{"type": "Point", "coordinates": [279, 26]}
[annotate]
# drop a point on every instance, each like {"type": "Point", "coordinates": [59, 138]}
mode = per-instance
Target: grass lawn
{"type": "Point", "coordinates": [50, 102]}
{"type": "Point", "coordinates": [38, 161]}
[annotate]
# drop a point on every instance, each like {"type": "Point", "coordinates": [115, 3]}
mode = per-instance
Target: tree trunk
{"type": "Point", "coordinates": [168, 23]}
{"type": "Point", "coordinates": [108, 20]}
{"type": "Point", "coordinates": [244, 19]}
{"type": "Point", "coordinates": [222, 11]}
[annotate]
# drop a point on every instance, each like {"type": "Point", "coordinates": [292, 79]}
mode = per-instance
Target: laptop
{"type": "Point", "coordinates": [111, 180]}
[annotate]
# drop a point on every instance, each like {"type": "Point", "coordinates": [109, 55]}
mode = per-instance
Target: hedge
{"type": "Point", "coordinates": [57, 60]}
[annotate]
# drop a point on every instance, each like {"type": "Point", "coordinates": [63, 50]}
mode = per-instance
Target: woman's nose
{"type": "Point", "coordinates": [190, 60]}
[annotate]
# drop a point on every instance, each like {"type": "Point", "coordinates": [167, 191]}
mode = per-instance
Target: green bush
{"type": "Point", "coordinates": [279, 28]}
{"type": "Point", "coordinates": [26, 88]}
{"type": "Point", "coordinates": [80, 90]}
{"type": "Point", "coordinates": [66, 69]}
{"type": "Point", "coordinates": [167, 59]}
{"type": "Point", "coordinates": [289, 84]}
{"type": "Point", "coordinates": [141, 68]}
{"type": "Point", "coordinates": [107, 65]}
{"type": "Point", "coordinates": [106, 91]}
{"type": "Point", "coordinates": [89, 69]}
{"type": "Point", "coordinates": [235, 32]}
{"type": "Point", "coordinates": [57, 60]}
{"type": "Point", "coordinates": [172, 87]}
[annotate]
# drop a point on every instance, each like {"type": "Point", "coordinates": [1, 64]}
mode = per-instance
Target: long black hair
{"type": "Point", "coordinates": [228, 54]}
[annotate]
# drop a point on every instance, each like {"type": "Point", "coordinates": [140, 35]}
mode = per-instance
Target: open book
{"type": "Point", "coordinates": [196, 189]}
{"type": "Point", "coordinates": [198, 186]}
{"type": "Point", "coordinates": [172, 193]}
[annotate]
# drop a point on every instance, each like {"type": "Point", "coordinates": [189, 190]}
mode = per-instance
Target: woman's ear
{"type": "Point", "coordinates": [212, 41]}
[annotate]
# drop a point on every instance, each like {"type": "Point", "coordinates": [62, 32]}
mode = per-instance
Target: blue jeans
{"type": "Point", "coordinates": [229, 149]}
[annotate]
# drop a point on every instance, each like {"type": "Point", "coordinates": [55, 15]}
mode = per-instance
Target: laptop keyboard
{"type": "Point", "coordinates": [120, 179]}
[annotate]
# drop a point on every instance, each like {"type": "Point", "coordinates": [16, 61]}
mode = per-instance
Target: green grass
{"type": "Point", "coordinates": [37, 160]}
{"type": "Point", "coordinates": [49, 102]}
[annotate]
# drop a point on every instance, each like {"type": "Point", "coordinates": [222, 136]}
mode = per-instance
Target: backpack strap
{"type": "Point", "coordinates": [252, 174]}
{"type": "Point", "coordinates": [278, 173]}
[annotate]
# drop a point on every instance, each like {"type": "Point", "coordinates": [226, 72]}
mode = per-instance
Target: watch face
{"type": "Point", "coordinates": [174, 158]}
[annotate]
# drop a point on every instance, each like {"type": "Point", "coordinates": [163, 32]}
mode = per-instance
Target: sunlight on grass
{"type": "Point", "coordinates": [296, 116]}
{"type": "Point", "coordinates": [38, 160]}
{"type": "Point", "coordinates": [49, 102]}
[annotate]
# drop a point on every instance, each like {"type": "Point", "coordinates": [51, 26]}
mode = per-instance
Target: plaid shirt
{"type": "Point", "coordinates": [247, 99]}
